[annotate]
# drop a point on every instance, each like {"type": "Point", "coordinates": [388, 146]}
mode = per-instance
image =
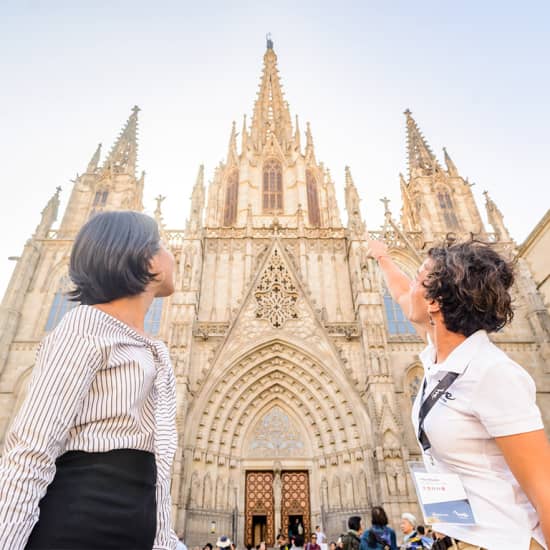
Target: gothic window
{"type": "Point", "coordinates": [312, 200]}
{"type": "Point", "coordinates": [446, 205]}
{"type": "Point", "coordinates": [231, 196]}
{"type": "Point", "coordinates": [273, 186]}
{"type": "Point", "coordinates": [60, 304]}
{"type": "Point", "coordinates": [152, 317]}
{"type": "Point", "coordinates": [100, 198]}
{"type": "Point", "coordinates": [397, 322]}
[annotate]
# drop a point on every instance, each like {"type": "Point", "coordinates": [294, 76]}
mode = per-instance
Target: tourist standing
{"type": "Point", "coordinates": [87, 459]}
{"type": "Point", "coordinates": [476, 414]}
{"type": "Point", "coordinates": [379, 536]}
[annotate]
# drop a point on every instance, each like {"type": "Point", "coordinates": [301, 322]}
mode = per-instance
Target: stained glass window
{"type": "Point", "coordinates": [273, 186]}
{"type": "Point", "coordinates": [312, 200]}
{"type": "Point", "coordinates": [231, 196]}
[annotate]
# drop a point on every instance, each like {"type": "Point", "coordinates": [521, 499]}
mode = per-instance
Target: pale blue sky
{"type": "Point", "coordinates": [475, 74]}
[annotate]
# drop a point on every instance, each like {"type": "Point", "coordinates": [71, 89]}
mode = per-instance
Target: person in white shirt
{"type": "Point", "coordinates": [484, 424]}
{"type": "Point", "coordinates": [87, 460]}
{"type": "Point", "coordinates": [321, 537]}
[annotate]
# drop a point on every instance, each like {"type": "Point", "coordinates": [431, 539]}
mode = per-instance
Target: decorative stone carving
{"type": "Point", "coordinates": [275, 435]}
{"type": "Point", "coordinates": [276, 294]}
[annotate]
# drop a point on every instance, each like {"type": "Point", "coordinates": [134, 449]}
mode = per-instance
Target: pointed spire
{"type": "Point", "coordinates": [355, 222]}
{"type": "Point", "coordinates": [232, 155]}
{"type": "Point", "coordinates": [123, 155]}
{"type": "Point", "coordinates": [94, 161]}
{"type": "Point", "coordinates": [271, 113]}
{"type": "Point", "coordinates": [158, 211]}
{"type": "Point", "coordinates": [197, 203]}
{"type": "Point", "coordinates": [244, 137]}
{"type": "Point", "coordinates": [297, 139]}
{"type": "Point", "coordinates": [496, 219]}
{"type": "Point", "coordinates": [451, 167]}
{"type": "Point", "coordinates": [420, 155]}
{"type": "Point", "coordinates": [310, 150]}
{"type": "Point", "coordinates": [49, 215]}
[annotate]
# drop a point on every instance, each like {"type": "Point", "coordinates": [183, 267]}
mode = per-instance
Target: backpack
{"type": "Point", "coordinates": [382, 539]}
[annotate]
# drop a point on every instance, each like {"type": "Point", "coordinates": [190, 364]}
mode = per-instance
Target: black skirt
{"type": "Point", "coordinates": [99, 501]}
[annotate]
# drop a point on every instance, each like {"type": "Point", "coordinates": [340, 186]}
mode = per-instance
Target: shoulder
{"type": "Point", "coordinates": [84, 321]}
{"type": "Point", "coordinates": [492, 364]}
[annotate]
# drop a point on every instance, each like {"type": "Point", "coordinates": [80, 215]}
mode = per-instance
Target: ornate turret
{"type": "Point", "coordinates": [451, 168]}
{"type": "Point", "coordinates": [49, 215]}
{"type": "Point", "coordinates": [355, 221]}
{"type": "Point", "coordinates": [122, 158]}
{"type": "Point", "coordinates": [94, 161]}
{"type": "Point", "coordinates": [496, 219]}
{"type": "Point", "coordinates": [194, 224]}
{"type": "Point", "coordinates": [271, 113]}
{"type": "Point", "coordinates": [421, 159]}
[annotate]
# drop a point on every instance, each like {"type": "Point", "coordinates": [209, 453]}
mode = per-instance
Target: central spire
{"type": "Point", "coordinates": [271, 114]}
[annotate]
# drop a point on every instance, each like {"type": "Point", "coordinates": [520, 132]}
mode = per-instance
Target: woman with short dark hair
{"type": "Point", "coordinates": [379, 536]}
{"type": "Point", "coordinates": [87, 460]}
{"type": "Point", "coordinates": [476, 414]}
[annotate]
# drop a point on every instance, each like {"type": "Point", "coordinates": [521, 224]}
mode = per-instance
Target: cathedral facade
{"type": "Point", "coordinates": [295, 369]}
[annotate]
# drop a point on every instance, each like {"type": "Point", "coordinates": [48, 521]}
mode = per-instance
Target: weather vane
{"type": "Point", "coordinates": [269, 41]}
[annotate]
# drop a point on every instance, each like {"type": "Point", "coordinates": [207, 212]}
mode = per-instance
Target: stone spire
{"type": "Point", "coordinates": [123, 156]}
{"type": "Point", "coordinates": [271, 113]}
{"type": "Point", "coordinates": [244, 137]}
{"type": "Point", "coordinates": [355, 222]}
{"type": "Point", "coordinates": [451, 167]}
{"type": "Point", "coordinates": [197, 203]}
{"type": "Point", "coordinates": [310, 150]}
{"type": "Point", "coordinates": [232, 155]}
{"type": "Point", "coordinates": [496, 219]}
{"type": "Point", "coordinates": [94, 161]}
{"type": "Point", "coordinates": [421, 158]}
{"type": "Point", "coordinates": [297, 139]}
{"type": "Point", "coordinates": [49, 215]}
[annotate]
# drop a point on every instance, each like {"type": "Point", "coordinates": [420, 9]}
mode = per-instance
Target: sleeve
{"type": "Point", "coordinates": [65, 366]}
{"type": "Point", "coordinates": [393, 540]}
{"type": "Point", "coordinates": [165, 538]}
{"type": "Point", "coordinates": [505, 400]}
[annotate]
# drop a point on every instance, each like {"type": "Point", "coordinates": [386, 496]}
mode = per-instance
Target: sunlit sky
{"type": "Point", "coordinates": [475, 75]}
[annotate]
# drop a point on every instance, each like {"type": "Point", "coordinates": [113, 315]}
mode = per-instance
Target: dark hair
{"type": "Point", "coordinates": [354, 522]}
{"type": "Point", "coordinates": [420, 530]}
{"type": "Point", "coordinates": [379, 517]}
{"type": "Point", "coordinates": [110, 257]}
{"type": "Point", "coordinates": [470, 281]}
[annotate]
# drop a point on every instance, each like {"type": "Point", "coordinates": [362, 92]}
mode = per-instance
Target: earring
{"type": "Point", "coordinates": [431, 320]}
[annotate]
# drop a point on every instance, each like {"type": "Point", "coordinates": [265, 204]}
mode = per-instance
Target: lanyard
{"type": "Point", "coordinates": [431, 400]}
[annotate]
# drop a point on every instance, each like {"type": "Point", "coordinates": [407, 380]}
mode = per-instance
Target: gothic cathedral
{"type": "Point", "coordinates": [295, 369]}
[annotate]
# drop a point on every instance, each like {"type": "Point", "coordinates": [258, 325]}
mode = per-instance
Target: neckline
{"type": "Point", "coordinates": [127, 328]}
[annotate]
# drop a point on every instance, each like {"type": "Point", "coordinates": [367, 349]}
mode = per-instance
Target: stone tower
{"type": "Point", "coordinates": [295, 369]}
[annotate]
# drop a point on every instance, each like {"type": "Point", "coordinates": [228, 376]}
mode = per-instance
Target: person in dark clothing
{"type": "Point", "coordinates": [379, 536]}
{"type": "Point", "coordinates": [351, 540]}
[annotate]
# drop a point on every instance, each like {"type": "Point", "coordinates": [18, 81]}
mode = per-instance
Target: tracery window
{"type": "Point", "coordinates": [231, 196]}
{"type": "Point", "coordinates": [312, 200]}
{"type": "Point", "coordinates": [273, 186]}
{"type": "Point", "coordinates": [152, 317]}
{"type": "Point", "coordinates": [60, 304]}
{"type": "Point", "coordinates": [446, 205]}
{"type": "Point", "coordinates": [100, 198]}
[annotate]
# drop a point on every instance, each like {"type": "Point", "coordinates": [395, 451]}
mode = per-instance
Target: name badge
{"type": "Point", "coordinates": [442, 497]}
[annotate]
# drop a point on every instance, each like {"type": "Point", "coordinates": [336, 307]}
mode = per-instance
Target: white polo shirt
{"type": "Point", "coordinates": [491, 397]}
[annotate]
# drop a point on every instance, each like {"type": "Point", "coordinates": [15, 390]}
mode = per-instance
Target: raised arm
{"type": "Point", "coordinates": [397, 282]}
{"type": "Point", "coordinates": [64, 370]}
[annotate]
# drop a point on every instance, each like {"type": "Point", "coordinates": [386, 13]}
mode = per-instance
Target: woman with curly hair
{"type": "Point", "coordinates": [475, 415]}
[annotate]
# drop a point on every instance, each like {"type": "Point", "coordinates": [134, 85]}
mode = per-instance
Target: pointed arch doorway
{"type": "Point", "coordinates": [277, 497]}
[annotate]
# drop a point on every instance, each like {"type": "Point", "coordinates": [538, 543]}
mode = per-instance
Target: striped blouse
{"type": "Point", "coordinates": [97, 386]}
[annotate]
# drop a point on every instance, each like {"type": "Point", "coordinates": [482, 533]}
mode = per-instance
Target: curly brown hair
{"type": "Point", "coordinates": [471, 283]}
